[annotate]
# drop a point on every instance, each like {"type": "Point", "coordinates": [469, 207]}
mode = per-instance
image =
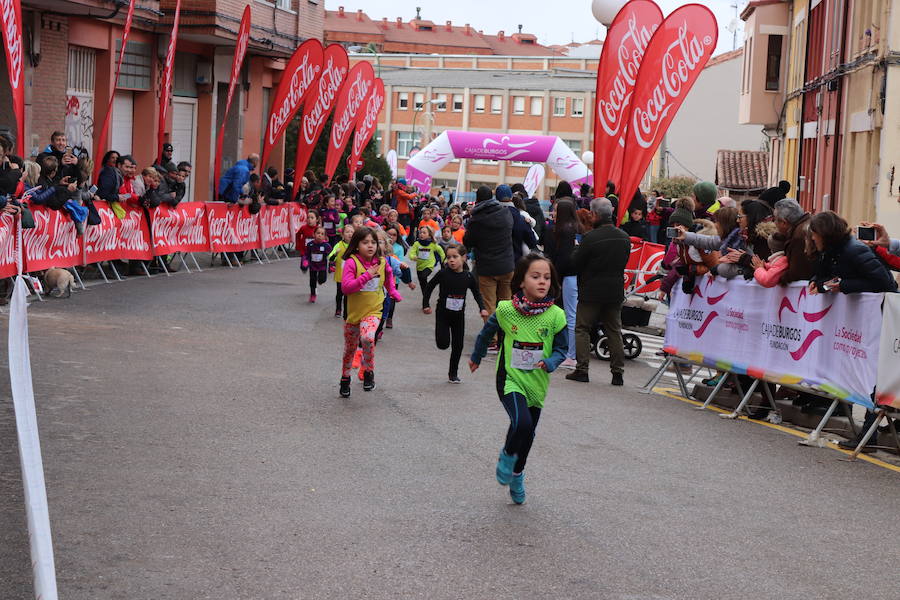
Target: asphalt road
{"type": "Point", "coordinates": [195, 447]}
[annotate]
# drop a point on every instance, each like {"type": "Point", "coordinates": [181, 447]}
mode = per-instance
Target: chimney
{"type": "Point", "coordinates": [468, 29]}
{"type": "Point", "coordinates": [399, 22]}
{"type": "Point", "coordinates": [449, 26]}
{"type": "Point", "coordinates": [359, 15]}
{"type": "Point", "coordinates": [384, 23]}
{"type": "Point", "coordinates": [340, 11]}
{"type": "Point", "coordinates": [520, 30]}
{"type": "Point", "coordinates": [501, 35]}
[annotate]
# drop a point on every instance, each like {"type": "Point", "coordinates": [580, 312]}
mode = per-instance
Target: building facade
{"type": "Point", "coordinates": [823, 79]}
{"type": "Point", "coordinates": [72, 52]}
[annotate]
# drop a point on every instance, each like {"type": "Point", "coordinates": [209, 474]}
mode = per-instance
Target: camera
{"type": "Point", "coordinates": [865, 234]}
{"type": "Point", "coordinates": [663, 203]}
{"type": "Point", "coordinates": [671, 232]}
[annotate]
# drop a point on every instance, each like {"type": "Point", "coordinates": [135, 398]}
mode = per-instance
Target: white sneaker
{"type": "Point", "coordinates": [569, 363]}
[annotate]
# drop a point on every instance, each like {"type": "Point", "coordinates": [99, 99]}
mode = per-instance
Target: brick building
{"type": "Point", "coordinates": [72, 51]}
{"type": "Point", "coordinates": [421, 36]}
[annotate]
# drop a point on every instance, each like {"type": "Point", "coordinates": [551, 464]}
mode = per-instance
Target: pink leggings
{"type": "Point", "coordinates": [360, 333]}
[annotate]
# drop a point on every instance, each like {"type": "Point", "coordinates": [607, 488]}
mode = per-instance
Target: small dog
{"type": "Point", "coordinates": [60, 281]}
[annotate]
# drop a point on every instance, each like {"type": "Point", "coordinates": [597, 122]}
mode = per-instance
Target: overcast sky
{"type": "Point", "coordinates": [552, 21]}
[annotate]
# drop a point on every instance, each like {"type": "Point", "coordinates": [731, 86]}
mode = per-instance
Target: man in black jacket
{"type": "Point", "coordinates": [600, 261]}
{"type": "Point", "coordinates": [489, 235]}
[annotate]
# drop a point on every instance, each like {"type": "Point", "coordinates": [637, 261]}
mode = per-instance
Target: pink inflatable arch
{"type": "Point", "coordinates": [492, 146]}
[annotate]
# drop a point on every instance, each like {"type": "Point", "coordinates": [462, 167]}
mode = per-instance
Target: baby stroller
{"type": "Point", "coordinates": [636, 312]}
{"type": "Point", "coordinates": [630, 342]}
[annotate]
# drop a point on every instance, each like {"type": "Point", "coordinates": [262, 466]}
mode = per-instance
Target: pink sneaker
{"type": "Point", "coordinates": [569, 363]}
{"type": "Point", "coordinates": [312, 298]}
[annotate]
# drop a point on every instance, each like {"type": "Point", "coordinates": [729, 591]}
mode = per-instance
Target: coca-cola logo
{"type": "Point", "coordinates": [178, 227]}
{"type": "Point", "coordinates": [329, 84]}
{"type": "Point", "coordinates": [356, 94]}
{"type": "Point", "coordinates": [103, 237]}
{"type": "Point", "coordinates": [276, 224]}
{"type": "Point", "coordinates": [7, 240]}
{"type": "Point", "coordinates": [52, 238]}
{"type": "Point", "coordinates": [300, 80]}
{"type": "Point", "coordinates": [681, 60]}
{"type": "Point", "coordinates": [131, 232]}
{"type": "Point", "coordinates": [298, 217]}
{"type": "Point", "coordinates": [376, 101]}
{"type": "Point", "coordinates": [630, 53]}
{"type": "Point", "coordinates": [13, 41]}
{"type": "Point", "coordinates": [232, 227]}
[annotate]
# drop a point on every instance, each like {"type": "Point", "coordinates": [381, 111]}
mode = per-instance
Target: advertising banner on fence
{"type": "Point", "coordinates": [231, 228]}
{"type": "Point", "coordinates": [101, 242]}
{"type": "Point", "coordinates": [7, 246]}
{"type": "Point", "coordinates": [350, 102]}
{"type": "Point", "coordinates": [319, 105]}
{"type": "Point", "coordinates": [626, 40]}
{"type": "Point", "coordinates": [134, 235]}
{"type": "Point", "coordinates": [275, 225]}
{"type": "Point", "coordinates": [782, 334]}
{"type": "Point", "coordinates": [179, 229]}
{"type": "Point", "coordinates": [644, 260]}
{"type": "Point", "coordinates": [240, 50]}
{"type": "Point", "coordinates": [366, 122]}
{"type": "Point", "coordinates": [676, 55]}
{"type": "Point", "coordinates": [889, 353]}
{"type": "Point", "coordinates": [297, 81]}
{"type": "Point", "coordinates": [53, 242]}
{"type": "Point", "coordinates": [298, 217]}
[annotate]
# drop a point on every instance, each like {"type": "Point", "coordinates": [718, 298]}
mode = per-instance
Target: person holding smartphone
{"type": "Point", "coordinates": [67, 162]}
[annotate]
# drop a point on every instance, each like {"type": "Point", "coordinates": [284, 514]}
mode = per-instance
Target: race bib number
{"type": "Point", "coordinates": [317, 257]}
{"type": "Point", "coordinates": [455, 302]}
{"type": "Point", "coordinates": [328, 225]}
{"type": "Point", "coordinates": [525, 355]}
{"type": "Point", "coordinates": [372, 285]}
{"type": "Point", "coordinates": [424, 254]}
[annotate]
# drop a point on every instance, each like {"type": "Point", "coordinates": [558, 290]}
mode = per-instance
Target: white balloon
{"type": "Point", "coordinates": [606, 10]}
{"type": "Point", "coordinates": [588, 158]}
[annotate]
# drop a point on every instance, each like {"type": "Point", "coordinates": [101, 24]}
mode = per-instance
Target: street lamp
{"type": "Point", "coordinates": [371, 48]}
{"type": "Point", "coordinates": [606, 10]}
{"type": "Point", "coordinates": [416, 114]}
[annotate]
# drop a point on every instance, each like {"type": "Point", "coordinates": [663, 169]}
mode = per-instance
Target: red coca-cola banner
{"type": "Point", "coordinates": [101, 242]}
{"type": "Point", "coordinates": [231, 228]}
{"type": "Point", "coordinates": [53, 242]}
{"type": "Point", "coordinates": [11, 14]}
{"type": "Point", "coordinates": [318, 106]}
{"type": "Point", "coordinates": [179, 229]}
{"type": "Point", "coordinates": [298, 217]}
{"type": "Point", "coordinates": [240, 50]}
{"type": "Point", "coordinates": [275, 225]}
{"type": "Point", "coordinates": [8, 245]}
{"type": "Point", "coordinates": [350, 102]}
{"type": "Point", "coordinates": [100, 141]}
{"type": "Point", "coordinates": [165, 92]}
{"type": "Point", "coordinates": [366, 123]}
{"type": "Point", "coordinates": [674, 59]}
{"type": "Point", "coordinates": [134, 235]}
{"type": "Point", "coordinates": [297, 81]}
{"type": "Point", "coordinates": [623, 51]}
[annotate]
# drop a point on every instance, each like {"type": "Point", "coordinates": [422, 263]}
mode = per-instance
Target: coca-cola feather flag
{"type": "Point", "coordinates": [351, 101]}
{"type": "Point", "coordinates": [297, 81]}
{"type": "Point", "coordinates": [318, 106]}
{"type": "Point", "coordinates": [626, 41]}
{"type": "Point", "coordinates": [166, 92]}
{"type": "Point", "coordinates": [11, 13]}
{"type": "Point", "coordinates": [366, 123]}
{"type": "Point", "coordinates": [240, 51]}
{"type": "Point", "coordinates": [679, 50]}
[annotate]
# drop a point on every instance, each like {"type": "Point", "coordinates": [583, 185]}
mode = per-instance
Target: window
{"type": "Point", "coordinates": [440, 101]}
{"type": "Point", "coordinates": [496, 104]}
{"type": "Point", "coordinates": [537, 105]}
{"type": "Point", "coordinates": [577, 107]}
{"type": "Point", "coordinates": [283, 4]}
{"type": "Point", "coordinates": [457, 102]}
{"type": "Point", "coordinates": [574, 145]}
{"type": "Point", "coordinates": [519, 105]}
{"type": "Point", "coordinates": [559, 107]}
{"type": "Point", "coordinates": [484, 161]}
{"type": "Point", "coordinates": [773, 64]}
{"type": "Point", "coordinates": [418, 101]}
{"type": "Point", "coordinates": [402, 101]}
{"type": "Point", "coordinates": [405, 143]}
{"type": "Point", "coordinates": [479, 103]}
{"type": "Point", "coordinates": [136, 63]}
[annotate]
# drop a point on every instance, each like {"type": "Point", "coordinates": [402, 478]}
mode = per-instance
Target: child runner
{"type": "Point", "coordinates": [401, 272]}
{"type": "Point", "coordinates": [424, 252]}
{"type": "Point", "coordinates": [364, 282]}
{"type": "Point", "coordinates": [450, 316]}
{"type": "Point", "coordinates": [317, 255]}
{"type": "Point", "coordinates": [330, 219]}
{"type": "Point", "coordinates": [306, 233]}
{"type": "Point", "coordinates": [337, 255]}
{"type": "Point", "coordinates": [533, 341]}
{"type": "Point", "coordinates": [446, 238]}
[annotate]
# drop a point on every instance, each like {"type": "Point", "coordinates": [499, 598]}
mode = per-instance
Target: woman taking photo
{"type": "Point", "coordinates": [844, 263]}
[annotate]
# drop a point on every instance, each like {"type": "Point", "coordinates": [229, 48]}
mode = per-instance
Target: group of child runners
{"type": "Point", "coordinates": [530, 329]}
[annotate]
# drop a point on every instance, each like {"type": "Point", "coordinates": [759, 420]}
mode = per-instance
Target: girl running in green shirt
{"type": "Point", "coordinates": [427, 254]}
{"type": "Point", "coordinates": [533, 342]}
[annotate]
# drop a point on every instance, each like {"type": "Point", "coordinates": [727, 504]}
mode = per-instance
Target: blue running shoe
{"type": "Point", "coordinates": [505, 466]}
{"type": "Point", "coordinates": [517, 488]}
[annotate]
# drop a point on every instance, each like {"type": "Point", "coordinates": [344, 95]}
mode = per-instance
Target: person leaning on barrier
{"type": "Point", "coordinates": [793, 223]}
{"type": "Point", "coordinates": [234, 179]}
{"type": "Point", "coordinates": [600, 262]}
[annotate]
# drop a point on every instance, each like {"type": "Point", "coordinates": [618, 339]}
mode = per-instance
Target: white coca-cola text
{"type": "Point", "coordinates": [329, 84]}
{"type": "Point", "coordinates": [300, 80]}
{"type": "Point", "coordinates": [611, 109]}
{"type": "Point", "coordinates": [11, 29]}
{"type": "Point", "coordinates": [345, 121]}
{"type": "Point", "coordinates": [367, 128]}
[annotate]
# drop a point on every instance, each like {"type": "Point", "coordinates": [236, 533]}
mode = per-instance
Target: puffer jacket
{"type": "Point", "coordinates": [600, 262]}
{"type": "Point", "coordinates": [489, 235]}
{"type": "Point", "coordinates": [858, 267]}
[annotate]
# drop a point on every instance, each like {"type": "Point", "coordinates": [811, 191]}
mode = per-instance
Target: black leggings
{"type": "Point", "coordinates": [449, 331]}
{"type": "Point", "coordinates": [316, 277]}
{"type": "Point", "coordinates": [338, 299]}
{"type": "Point", "coordinates": [423, 281]}
{"type": "Point", "coordinates": [523, 421]}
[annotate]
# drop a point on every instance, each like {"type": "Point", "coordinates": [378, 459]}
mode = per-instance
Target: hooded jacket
{"type": "Point", "coordinates": [857, 266]}
{"type": "Point", "coordinates": [234, 179]}
{"type": "Point", "coordinates": [489, 235]}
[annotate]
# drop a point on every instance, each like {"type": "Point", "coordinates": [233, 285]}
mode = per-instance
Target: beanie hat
{"type": "Point", "coordinates": [518, 187]}
{"type": "Point", "coordinates": [503, 192]}
{"type": "Point", "coordinates": [483, 193]}
{"type": "Point", "coordinates": [706, 193]}
{"type": "Point", "coordinates": [563, 190]}
{"type": "Point", "coordinates": [681, 216]}
{"type": "Point", "coordinates": [774, 194]}
{"type": "Point", "coordinates": [777, 243]}
{"type": "Point", "coordinates": [401, 181]}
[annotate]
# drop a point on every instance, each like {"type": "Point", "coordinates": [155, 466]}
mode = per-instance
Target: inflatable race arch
{"type": "Point", "coordinates": [492, 146]}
